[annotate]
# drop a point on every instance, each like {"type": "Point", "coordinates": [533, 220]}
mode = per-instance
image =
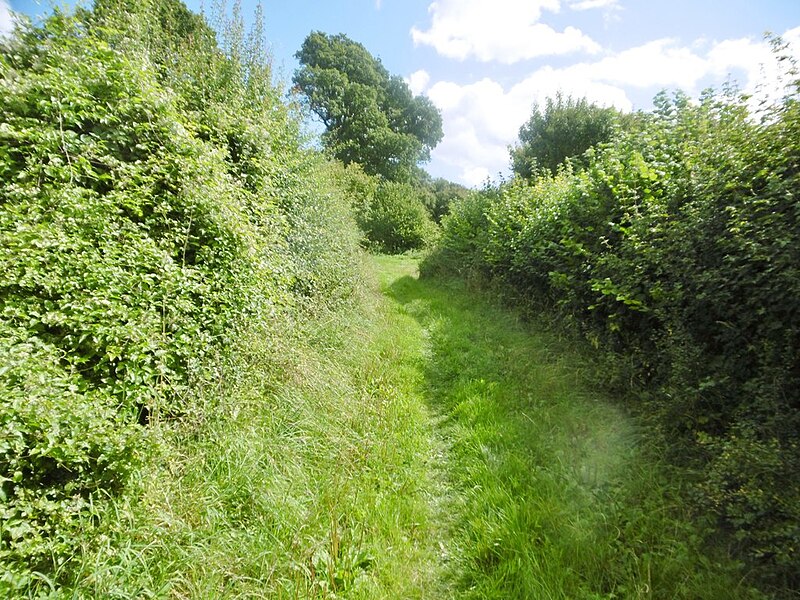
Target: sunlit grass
{"type": "Point", "coordinates": [312, 475]}
{"type": "Point", "coordinates": [424, 445]}
{"type": "Point", "coordinates": [561, 495]}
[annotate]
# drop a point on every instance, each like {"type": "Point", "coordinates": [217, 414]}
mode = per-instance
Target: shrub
{"type": "Point", "coordinates": [675, 252]}
{"type": "Point", "coordinates": [397, 220]}
{"type": "Point", "coordinates": [458, 250]}
{"type": "Point", "coordinates": [140, 226]}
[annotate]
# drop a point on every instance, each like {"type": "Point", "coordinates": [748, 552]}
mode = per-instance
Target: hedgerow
{"type": "Point", "coordinates": [395, 219]}
{"type": "Point", "coordinates": [150, 208]}
{"type": "Point", "coordinates": [675, 252]}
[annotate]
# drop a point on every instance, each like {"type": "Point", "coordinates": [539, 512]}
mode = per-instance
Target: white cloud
{"type": "Point", "coordinates": [610, 8]}
{"type": "Point", "coordinates": [482, 119]}
{"type": "Point", "coordinates": [657, 63]}
{"type": "Point", "coordinates": [764, 78]}
{"type": "Point", "coordinates": [476, 122]}
{"type": "Point", "coordinates": [378, 4]}
{"type": "Point", "coordinates": [418, 81]}
{"type": "Point", "coordinates": [665, 64]}
{"type": "Point", "coordinates": [743, 54]}
{"type": "Point", "coordinates": [6, 19]}
{"type": "Point", "coordinates": [591, 4]}
{"type": "Point", "coordinates": [792, 36]}
{"type": "Point", "coordinates": [506, 31]}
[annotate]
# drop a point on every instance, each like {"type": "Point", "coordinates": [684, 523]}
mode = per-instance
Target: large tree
{"type": "Point", "coordinates": [563, 128]}
{"type": "Point", "coordinates": [371, 117]}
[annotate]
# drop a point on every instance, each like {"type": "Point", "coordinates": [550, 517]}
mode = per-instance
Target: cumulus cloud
{"type": "Point", "coordinates": [657, 63]}
{"type": "Point", "coordinates": [666, 64]}
{"type": "Point", "coordinates": [482, 119]}
{"type": "Point", "coordinates": [792, 36]}
{"type": "Point", "coordinates": [764, 79]}
{"type": "Point", "coordinates": [592, 4]}
{"type": "Point", "coordinates": [476, 124]}
{"type": "Point", "coordinates": [505, 31]}
{"type": "Point", "coordinates": [6, 19]}
{"type": "Point", "coordinates": [418, 81]}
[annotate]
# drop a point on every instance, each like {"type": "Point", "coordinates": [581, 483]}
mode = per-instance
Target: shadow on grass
{"type": "Point", "coordinates": [522, 458]}
{"type": "Point", "coordinates": [552, 497]}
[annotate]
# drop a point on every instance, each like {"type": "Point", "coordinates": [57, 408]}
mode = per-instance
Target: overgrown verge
{"type": "Point", "coordinates": [311, 474]}
{"type": "Point", "coordinates": [155, 199]}
{"type": "Point", "coordinates": [675, 252]}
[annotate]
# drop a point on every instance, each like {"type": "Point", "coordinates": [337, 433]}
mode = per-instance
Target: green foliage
{"type": "Point", "coordinates": [563, 130]}
{"type": "Point", "coordinates": [371, 117]}
{"type": "Point", "coordinates": [463, 233]}
{"type": "Point", "coordinates": [468, 460]}
{"type": "Point", "coordinates": [396, 220]}
{"type": "Point", "coordinates": [675, 252]}
{"type": "Point", "coordinates": [63, 449]}
{"type": "Point", "coordinates": [558, 494]}
{"type": "Point", "coordinates": [359, 187]}
{"type": "Point", "coordinates": [439, 194]}
{"type": "Point", "coordinates": [156, 199]}
{"type": "Point", "coordinates": [748, 483]}
{"type": "Point", "coordinates": [310, 476]}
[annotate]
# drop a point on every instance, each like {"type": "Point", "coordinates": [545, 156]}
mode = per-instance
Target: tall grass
{"type": "Point", "coordinates": [310, 476]}
{"type": "Point", "coordinates": [424, 445]}
{"type": "Point", "coordinates": [558, 493]}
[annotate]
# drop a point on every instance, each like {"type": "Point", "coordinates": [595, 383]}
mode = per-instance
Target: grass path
{"type": "Point", "coordinates": [550, 492]}
{"type": "Point", "coordinates": [425, 445]}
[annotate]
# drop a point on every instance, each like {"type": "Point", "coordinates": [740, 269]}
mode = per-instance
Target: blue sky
{"type": "Point", "coordinates": [485, 63]}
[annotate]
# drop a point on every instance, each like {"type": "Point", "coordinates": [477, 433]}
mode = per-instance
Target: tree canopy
{"type": "Point", "coordinates": [438, 194]}
{"type": "Point", "coordinates": [565, 128]}
{"type": "Point", "coordinates": [371, 117]}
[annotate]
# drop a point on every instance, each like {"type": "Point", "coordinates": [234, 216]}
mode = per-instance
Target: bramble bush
{"type": "Point", "coordinates": [675, 252]}
{"type": "Point", "coordinates": [155, 199]}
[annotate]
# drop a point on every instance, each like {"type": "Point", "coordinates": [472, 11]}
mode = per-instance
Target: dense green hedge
{"type": "Point", "coordinates": [396, 220]}
{"type": "Point", "coordinates": [149, 208]}
{"type": "Point", "coordinates": [677, 253]}
{"type": "Point", "coordinates": [392, 215]}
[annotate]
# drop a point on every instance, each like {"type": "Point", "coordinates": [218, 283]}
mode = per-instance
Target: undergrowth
{"type": "Point", "coordinates": [313, 474]}
{"type": "Point", "coordinates": [157, 202]}
{"type": "Point", "coordinates": [555, 491]}
{"type": "Point", "coordinates": [424, 445]}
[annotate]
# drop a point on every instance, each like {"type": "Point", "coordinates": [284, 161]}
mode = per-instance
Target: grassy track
{"type": "Point", "coordinates": [427, 445]}
{"type": "Point", "coordinates": [312, 473]}
{"type": "Point", "coordinates": [552, 492]}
